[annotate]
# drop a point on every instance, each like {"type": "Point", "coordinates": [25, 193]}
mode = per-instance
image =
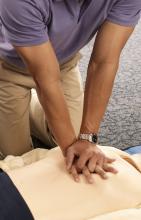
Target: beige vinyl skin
{"type": "Point", "coordinates": [51, 193]}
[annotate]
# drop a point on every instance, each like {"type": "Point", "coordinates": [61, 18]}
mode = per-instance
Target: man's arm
{"type": "Point", "coordinates": [102, 69]}
{"type": "Point", "coordinates": [110, 40]}
{"type": "Point", "coordinates": [43, 65]}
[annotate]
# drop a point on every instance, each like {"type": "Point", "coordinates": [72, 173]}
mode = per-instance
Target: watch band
{"type": "Point", "coordinates": [91, 137]}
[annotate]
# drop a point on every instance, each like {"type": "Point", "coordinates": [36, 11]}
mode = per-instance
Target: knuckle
{"type": "Point", "coordinates": [105, 157]}
{"type": "Point", "coordinates": [111, 168]}
{"type": "Point", "coordinates": [91, 168]}
{"type": "Point", "coordinates": [84, 169]}
{"type": "Point", "coordinates": [79, 165]}
{"type": "Point", "coordinates": [101, 172]}
{"type": "Point", "coordinates": [86, 175]}
{"type": "Point", "coordinates": [68, 154]}
{"type": "Point", "coordinates": [87, 151]}
{"type": "Point", "coordinates": [99, 155]}
{"type": "Point", "coordinates": [102, 155]}
{"type": "Point", "coordinates": [105, 165]}
{"type": "Point", "coordinates": [69, 160]}
{"type": "Point", "coordinates": [75, 176]}
{"type": "Point", "coordinates": [72, 171]}
{"type": "Point", "coordinates": [70, 150]}
{"type": "Point", "coordinates": [78, 170]}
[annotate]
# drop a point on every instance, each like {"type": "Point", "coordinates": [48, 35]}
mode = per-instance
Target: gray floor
{"type": "Point", "coordinates": [121, 126]}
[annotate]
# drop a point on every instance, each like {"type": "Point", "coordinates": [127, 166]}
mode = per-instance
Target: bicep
{"type": "Point", "coordinates": [110, 40]}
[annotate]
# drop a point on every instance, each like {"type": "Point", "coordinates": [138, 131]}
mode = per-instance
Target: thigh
{"type": "Point", "coordinates": [14, 116]}
{"type": "Point", "coordinates": [38, 124]}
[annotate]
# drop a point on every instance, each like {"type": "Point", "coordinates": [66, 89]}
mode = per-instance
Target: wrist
{"type": "Point", "coordinates": [90, 137]}
{"type": "Point", "coordinates": [89, 128]}
{"type": "Point", "coordinates": [65, 147]}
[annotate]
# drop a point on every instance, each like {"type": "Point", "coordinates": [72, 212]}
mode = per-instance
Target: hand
{"type": "Point", "coordinates": [86, 158]}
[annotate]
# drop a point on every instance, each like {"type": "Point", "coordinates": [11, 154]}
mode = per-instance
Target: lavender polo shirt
{"type": "Point", "coordinates": [69, 24]}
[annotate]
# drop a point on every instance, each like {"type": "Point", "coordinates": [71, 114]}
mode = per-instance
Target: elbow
{"type": "Point", "coordinates": [111, 63]}
{"type": "Point", "coordinates": [103, 67]}
{"type": "Point", "coordinates": [46, 87]}
{"type": "Point", "coordinates": [45, 80]}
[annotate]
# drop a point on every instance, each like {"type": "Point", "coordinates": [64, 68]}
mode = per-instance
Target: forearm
{"type": "Point", "coordinates": [44, 68]}
{"type": "Point", "coordinates": [98, 89]}
{"type": "Point", "coordinates": [58, 119]}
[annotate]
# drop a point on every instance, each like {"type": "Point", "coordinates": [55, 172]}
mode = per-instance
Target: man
{"type": "Point", "coordinates": [41, 40]}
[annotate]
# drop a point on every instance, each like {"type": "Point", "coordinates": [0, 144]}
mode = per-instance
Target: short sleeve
{"type": "Point", "coordinates": [23, 22]}
{"type": "Point", "coordinates": [125, 12]}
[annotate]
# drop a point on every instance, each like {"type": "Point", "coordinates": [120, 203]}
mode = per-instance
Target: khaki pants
{"type": "Point", "coordinates": [21, 113]}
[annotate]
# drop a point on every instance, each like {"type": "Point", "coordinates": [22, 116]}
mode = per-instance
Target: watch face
{"type": "Point", "coordinates": [94, 138]}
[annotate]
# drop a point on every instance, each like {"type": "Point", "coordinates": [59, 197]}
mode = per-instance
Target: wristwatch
{"type": "Point", "coordinates": [91, 137]}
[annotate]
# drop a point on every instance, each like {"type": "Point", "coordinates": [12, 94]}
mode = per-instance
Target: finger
{"type": "Point", "coordinates": [92, 164]}
{"type": "Point", "coordinates": [110, 160]}
{"type": "Point", "coordinates": [75, 174]}
{"type": "Point", "coordinates": [69, 159]}
{"type": "Point", "coordinates": [101, 172]}
{"type": "Point", "coordinates": [110, 169]}
{"type": "Point", "coordinates": [77, 168]}
{"type": "Point", "coordinates": [82, 161]}
{"type": "Point", "coordinates": [100, 161]}
{"type": "Point", "coordinates": [87, 175]}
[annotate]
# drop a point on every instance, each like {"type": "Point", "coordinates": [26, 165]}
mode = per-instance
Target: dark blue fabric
{"type": "Point", "coordinates": [133, 150]}
{"type": "Point", "coordinates": [12, 205]}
